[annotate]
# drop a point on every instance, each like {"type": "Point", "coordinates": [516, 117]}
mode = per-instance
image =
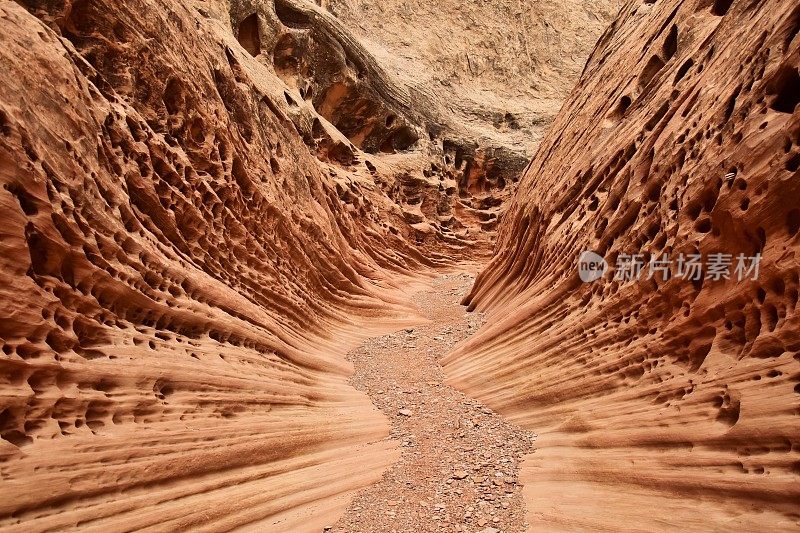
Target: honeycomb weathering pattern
{"type": "Point", "coordinates": [188, 251]}
{"type": "Point", "coordinates": [205, 204]}
{"type": "Point", "coordinates": [658, 404]}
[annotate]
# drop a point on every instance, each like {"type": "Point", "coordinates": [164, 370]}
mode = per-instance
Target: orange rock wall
{"type": "Point", "coordinates": [659, 404]}
{"type": "Point", "coordinates": [175, 262]}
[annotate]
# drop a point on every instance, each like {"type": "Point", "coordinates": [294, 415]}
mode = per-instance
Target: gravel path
{"type": "Point", "coordinates": [459, 461]}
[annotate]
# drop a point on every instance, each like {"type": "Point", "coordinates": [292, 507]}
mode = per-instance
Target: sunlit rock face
{"type": "Point", "coordinates": [659, 403]}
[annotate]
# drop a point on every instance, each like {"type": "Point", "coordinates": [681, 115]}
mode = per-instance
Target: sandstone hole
{"type": "Point", "coordinates": [291, 17]}
{"type": "Point", "coordinates": [286, 63]}
{"type": "Point", "coordinates": [5, 128]}
{"type": "Point", "coordinates": [762, 238]}
{"type": "Point", "coordinates": [703, 225]}
{"type": "Point", "coordinates": [793, 164]}
{"type": "Point", "coordinates": [721, 7]}
{"type": "Point", "coordinates": [622, 107]}
{"type": "Point", "coordinates": [317, 131]}
{"type": "Point", "coordinates": [689, 63]}
{"type": "Point", "coordinates": [793, 222]}
{"type": "Point", "coordinates": [731, 104]}
{"type": "Point", "coordinates": [402, 139]}
{"type": "Point", "coordinates": [173, 96]}
{"type": "Point", "coordinates": [670, 47]}
{"type": "Point", "coordinates": [654, 65]}
{"type": "Point", "coordinates": [248, 35]}
{"type": "Point", "coordinates": [794, 31]}
{"type": "Point", "coordinates": [657, 117]}
{"type": "Point", "coordinates": [26, 203]}
{"type": "Point", "coordinates": [786, 87]}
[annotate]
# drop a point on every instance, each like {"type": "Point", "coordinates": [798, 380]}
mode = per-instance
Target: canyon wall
{"type": "Point", "coordinates": [174, 261]}
{"type": "Point", "coordinates": [205, 204]}
{"type": "Point", "coordinates": [660, 403]}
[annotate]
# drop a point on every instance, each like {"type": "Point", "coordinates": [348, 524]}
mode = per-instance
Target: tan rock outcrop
{"type": "Point", "coordinates": [660, 404]}
{"type": "Point", "coordinates": [503, 67]}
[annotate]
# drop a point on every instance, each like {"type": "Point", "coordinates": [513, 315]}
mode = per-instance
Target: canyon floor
{"type": "Point", "coordinates": [458, 466]}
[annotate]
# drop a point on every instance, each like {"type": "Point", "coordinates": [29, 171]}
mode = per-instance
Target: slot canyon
{"type": "Point", "coordinates": [289, 266]}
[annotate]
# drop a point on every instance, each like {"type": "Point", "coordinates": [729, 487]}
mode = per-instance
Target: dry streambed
{"type": "Point", "coordinates": [459, 461]}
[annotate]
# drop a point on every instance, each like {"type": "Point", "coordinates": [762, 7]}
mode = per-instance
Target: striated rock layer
{"type": "Point", "coordinates": [173, 260]}
{"type": "Point", "coordinates": [659, 403]}
{"type": "Point", "coordinates": [205, 205]}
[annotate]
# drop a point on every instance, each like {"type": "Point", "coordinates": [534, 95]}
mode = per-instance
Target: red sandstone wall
{"type": "Point", "coordinates": [659, 404]}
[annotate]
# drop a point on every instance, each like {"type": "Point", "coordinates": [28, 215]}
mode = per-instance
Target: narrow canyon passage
{"type": "Point", "coordinates": [458, 466]}
{"type": "Point", "coordinates": [235, 240]}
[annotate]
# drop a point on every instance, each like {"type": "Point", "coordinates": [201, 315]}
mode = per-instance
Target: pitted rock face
{"type": "Point", "coordinates": [657, 402]}
{"type": "Point", "coordinates": [351, 112]}
{"type": "Point", "coordinates": [174, 263]}
{"type": "Point", "coordinates": [203, 209]}
{"type": "Point", "coordinates": [205, 206]}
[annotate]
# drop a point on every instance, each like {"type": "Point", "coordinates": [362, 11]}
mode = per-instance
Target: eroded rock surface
{"type": "Point", "coordinates": [204, 207]}
{"type": "Point", "coordinates": [503, 67]}
{"type": "Point", "coordinates": [206, 204]}
{"type": "Point", "coordinates": [659, 403]}
{"type": "Point", "coordinates": [173, 263]}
